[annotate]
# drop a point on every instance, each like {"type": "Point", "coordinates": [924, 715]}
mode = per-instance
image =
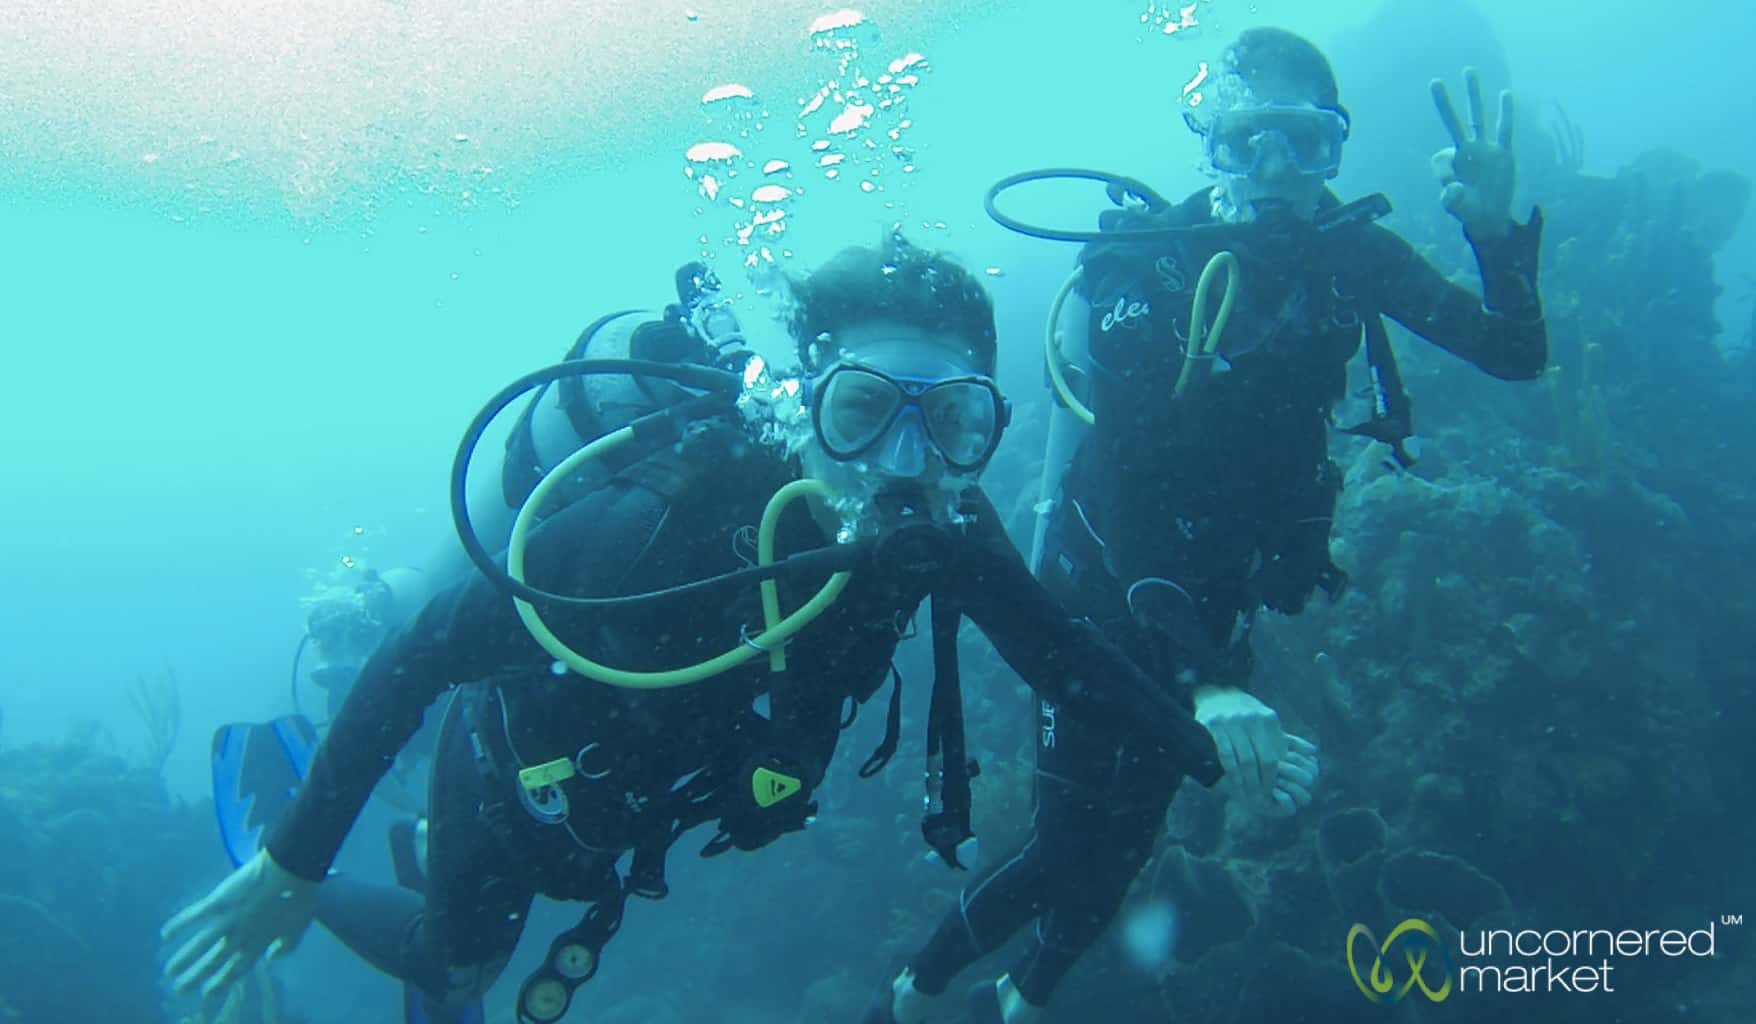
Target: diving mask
{"type": "Point", "coordinates": [858, 411]}
{"type": "Point", "coordinates": [1237, 141]}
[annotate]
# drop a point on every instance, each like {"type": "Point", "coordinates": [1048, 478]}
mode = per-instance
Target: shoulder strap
{"type": "Point", "coordinates": [673, 471]}
{"type": "Point", "coordinates": [946, 824]}
{"type": "Point", "coordinates": [892, 729]}
{"type": "Point", "coordinates": [665, 473]}
{"type": "Point", "coordinates": [1392, 419]}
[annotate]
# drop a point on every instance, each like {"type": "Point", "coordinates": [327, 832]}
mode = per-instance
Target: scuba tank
{"type": "Point", "coordinates": [699, 328]}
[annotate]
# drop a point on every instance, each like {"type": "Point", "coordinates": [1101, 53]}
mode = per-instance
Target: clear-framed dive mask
{"type": "Point", "coordinates": [861, 412]}
{"type": "Point", "coordinates": [1238, 140]}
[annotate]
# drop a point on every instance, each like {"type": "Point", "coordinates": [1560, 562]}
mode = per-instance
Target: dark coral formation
{"type": "Point", "coordinates": [93, 856]}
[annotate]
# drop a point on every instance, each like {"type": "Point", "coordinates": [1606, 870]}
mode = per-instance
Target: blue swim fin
{"type": "Point", "coordinates": [257, 768]}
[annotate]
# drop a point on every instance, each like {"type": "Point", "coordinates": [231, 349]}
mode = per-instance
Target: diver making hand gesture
{"type": "Point", "coordinates": [1479, 175]}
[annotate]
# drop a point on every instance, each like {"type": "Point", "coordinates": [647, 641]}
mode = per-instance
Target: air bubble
{"type": "Point", "coordinates": [852, 118]}
{"type": "Point", "coordinates": [712, 152]}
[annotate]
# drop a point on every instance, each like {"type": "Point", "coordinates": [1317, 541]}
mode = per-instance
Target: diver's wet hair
{"type": "Point", "coordinates": [1264, 56]}
{"type": "Point", "coordinates": [893, 281]}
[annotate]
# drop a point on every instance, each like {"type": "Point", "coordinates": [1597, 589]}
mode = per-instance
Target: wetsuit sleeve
{"type": "Point", "coordinates": [1064, 659]}
{"type": "Point", "coordinates": [460, 635]}
{"type": "Point", "coordinates": [1502, 332]}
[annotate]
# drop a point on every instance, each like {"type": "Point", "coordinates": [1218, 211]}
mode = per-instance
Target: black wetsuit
{"type": "Point", "coordinates": [651, 763]}
{"type": "Point", "coordinates": [1179, 518]}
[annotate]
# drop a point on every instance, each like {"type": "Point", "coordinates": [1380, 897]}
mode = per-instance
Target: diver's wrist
{"type": "Point", "coordinates": [1206, 694]}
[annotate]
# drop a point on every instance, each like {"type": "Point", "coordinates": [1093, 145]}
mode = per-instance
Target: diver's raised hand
{"type": "Point", "coordinates": [1478, 172]}
{"type": "Point", "coordinates": [259, 909]}
{"type": "Point", "coordinates": [1250, 739]}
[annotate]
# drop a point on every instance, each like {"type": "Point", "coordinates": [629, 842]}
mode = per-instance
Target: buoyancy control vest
{"type": "Point", "coordinates": [1299, 315]}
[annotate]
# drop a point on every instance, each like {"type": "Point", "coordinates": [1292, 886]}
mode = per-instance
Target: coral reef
{"type": "Point", "coordinates": [95, 854]}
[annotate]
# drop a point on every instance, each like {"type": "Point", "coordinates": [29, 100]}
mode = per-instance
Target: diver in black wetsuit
{"type": "Point", "coordinates": [543, 779]}
{"type": "Point", "coordinates": [1198, 496]}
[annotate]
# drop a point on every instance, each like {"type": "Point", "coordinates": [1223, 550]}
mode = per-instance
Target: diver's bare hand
{"type": "Point", "coordinates": [1478, 172]}
{"type": "Point", "coordinates": [1249, 738]}
{"type": "Point", "coordinates": [1295, 776]}
{"type": "Point", "coordinates": [261, 909]}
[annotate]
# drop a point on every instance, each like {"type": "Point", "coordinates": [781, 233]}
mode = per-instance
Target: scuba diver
{"type": "Point", "coordinates": [569, 736]}
{"type": "Point", "coordinates": [347, 615]}
{"type": "Point", "coordinates": [1179, 499]}
{"type": "Point", "coordinates": [258, 766]}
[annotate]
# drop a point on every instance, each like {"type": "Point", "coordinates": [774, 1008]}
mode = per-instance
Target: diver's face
{"type": "Point", "coordinates": [1273, 149]}
{"type": "Point", "coordinates": [898, 409]}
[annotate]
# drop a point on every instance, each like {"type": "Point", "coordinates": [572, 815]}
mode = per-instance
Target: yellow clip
{"type": "Point", "coordinates": [771, 787]}
{"type": "Point", "coordinates": [540, 776]}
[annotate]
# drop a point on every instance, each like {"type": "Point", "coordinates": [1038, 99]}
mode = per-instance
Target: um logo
{"type": "Point", "coordinates": [1405, 953]}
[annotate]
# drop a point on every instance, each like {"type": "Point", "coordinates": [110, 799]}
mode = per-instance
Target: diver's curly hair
{"type": "Point", "coordinates": [893, 281]}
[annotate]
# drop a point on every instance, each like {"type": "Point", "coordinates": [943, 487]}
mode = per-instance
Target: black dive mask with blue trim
{"type": "Point", "coordinates": [1310, 138]}
{"type": "Point", "coordinates": [860, 412]}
